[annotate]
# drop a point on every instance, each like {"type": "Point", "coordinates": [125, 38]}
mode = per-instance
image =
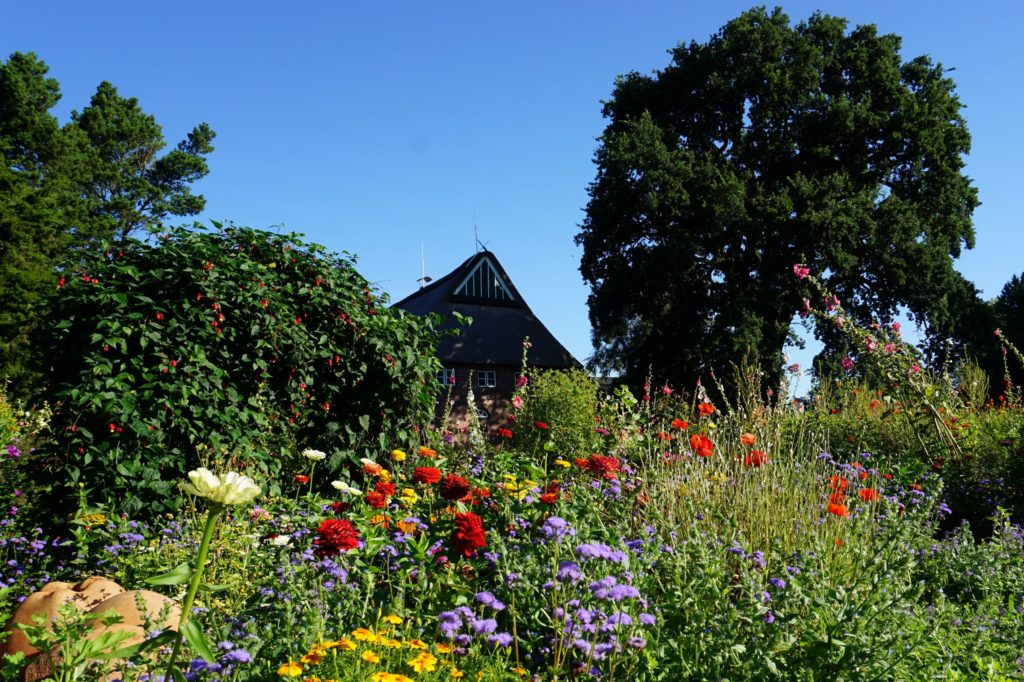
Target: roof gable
{"type": "Point", "coordinates": [500, 321]}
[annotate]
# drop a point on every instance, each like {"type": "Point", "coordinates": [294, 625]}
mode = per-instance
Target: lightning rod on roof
{"type": "Point", "coordinates": [423, 280]}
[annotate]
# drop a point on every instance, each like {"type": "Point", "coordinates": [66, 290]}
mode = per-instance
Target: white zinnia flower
{"type": "Point", "coordinates": [343, 487]}
{"type": "Point", "coordinates": [229, 488]}
{"type": "Point", "coordinates": [314, 455]}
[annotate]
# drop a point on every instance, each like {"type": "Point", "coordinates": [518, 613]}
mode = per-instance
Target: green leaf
{"type": "Point", "coordinates": [194, 634]}
{"type": "Point", "coordinates": [180, 574]}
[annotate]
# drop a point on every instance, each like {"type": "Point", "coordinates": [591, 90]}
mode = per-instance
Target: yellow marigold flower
{"type": "Point", "coordinates": [312, 658]}
{"type": "Point", "coordinates": [424, 662]}
{"type": "Point", "coordinates": [443, 648]}
{"type": "Point", "coordinates": [364, 635]}
{"type": "Point", "coordinates": [370, 657]}
{"type": "Point", "coordinates": [408, 496]}
{"type": "Point", "coordinates": [311, 679]}
{"type": "Point", "coordinates": [393, 619]}
{"type": "Point", "coordinates": [457, 674]}
{"type": "Point", "coordinates": [346, 644]}
{"type": "Point", "coordinates": [392, 643]}
{"type": "Point", "coordinates": [384, 476]}
{"type": "Point", "coordinates": [426, 452]}
{"type": "Point", "coordinates": [416, 644]}
{"type": "Point", "coordinates": [562, 463]}
{"type": "Point", "coordinates": [519, 670]}
{"type": "Point", "coordinates": [398, 455]}
{"type": "Point", "coordinates": [406, 527]}
{"type": "Point", "coordinates": [290, 669]}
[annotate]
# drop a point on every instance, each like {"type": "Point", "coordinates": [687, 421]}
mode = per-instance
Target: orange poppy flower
{"type": "Point", "coordinates": [706, 409]}
{"type": "Point", "coordinates": [838, 509]}
{"type": "Point", "coordinates": [839, 484]}
{"type": "Point", "coordinates": [869, 495]}
{"type": "Point", "coordinates": [748, 439]}
{"type": "Point", "coordinates": [701, 445]}
{"type": "Point", "coordinates": [680, 425]}
{"type": "Point", "coordinates": [837, 498]}
{"type": "Point", "coordinates": [755, 458]}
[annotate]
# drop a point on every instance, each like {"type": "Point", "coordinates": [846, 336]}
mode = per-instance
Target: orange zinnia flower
{"type": "Point", "coordinates": [706, 409]}
{"type": "Point", "coordinates": [748, 439]}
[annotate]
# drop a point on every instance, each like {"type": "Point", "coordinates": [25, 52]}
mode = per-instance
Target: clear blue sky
{"type": "Point", "coordinates": [375, 127]}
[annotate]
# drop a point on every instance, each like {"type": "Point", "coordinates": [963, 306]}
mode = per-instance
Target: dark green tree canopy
{"type": "Point", "coordinates": [771, 145]}
{"type": "Point", "coordinates": [65, 189]}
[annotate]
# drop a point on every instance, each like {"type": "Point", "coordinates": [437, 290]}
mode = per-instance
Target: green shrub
{"type": "Point", "coordinates": [567, 402]}
{"type": "Point", "coordinates": [235, 345]}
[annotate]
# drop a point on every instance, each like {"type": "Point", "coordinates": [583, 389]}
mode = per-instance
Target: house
{"type": "Point", "coordinates": [490, 350]}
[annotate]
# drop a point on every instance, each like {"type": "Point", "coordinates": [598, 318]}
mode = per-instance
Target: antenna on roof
{"type": "Point", "coordinates": [423, 280]}
{"type": "Point", "coordinates": [479, 244]}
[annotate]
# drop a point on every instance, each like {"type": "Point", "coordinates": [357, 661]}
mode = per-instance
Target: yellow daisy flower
{"type": "Point", "coordinates": [424, 662]}
{"type": "Point", "coordinates": [370, 657]}
{"type": "Point", "coordinates": [364, 635]}
{"type": "Point", "coordinates": [562, 463]}
{"type": "Point", "coordinates": [393, 619]}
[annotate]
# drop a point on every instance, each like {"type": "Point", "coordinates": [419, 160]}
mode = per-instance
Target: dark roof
{"type": "Point", "coordinates": [498, 329]}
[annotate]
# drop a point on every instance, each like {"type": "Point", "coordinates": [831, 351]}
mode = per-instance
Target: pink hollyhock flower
{"type": "Point", "coordinates": [847, 363]}
{"type": "Point", "coordinates": [517, 402]}
{"type": "Point", "coordinates": [800, 271]}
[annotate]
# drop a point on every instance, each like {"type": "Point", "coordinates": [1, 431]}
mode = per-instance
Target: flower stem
{"type": "Point", "coordinates": [193, 587]}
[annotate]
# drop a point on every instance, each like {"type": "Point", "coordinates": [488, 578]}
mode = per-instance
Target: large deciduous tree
{"type": "Point", "coordinates": [766, 146]}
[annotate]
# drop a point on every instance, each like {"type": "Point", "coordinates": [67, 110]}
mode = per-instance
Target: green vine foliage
{"type": "Point", "coordinates": [232, 347]}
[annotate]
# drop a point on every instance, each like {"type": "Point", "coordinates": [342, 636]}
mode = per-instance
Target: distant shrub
{"type": "Point", "coordinates": [232, 345]}
{"type": "Point", "coordinates": [566, 402]}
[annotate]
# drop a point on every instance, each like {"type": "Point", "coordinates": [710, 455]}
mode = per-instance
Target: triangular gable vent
{"type": "Point", "coordinates": [484, 282]}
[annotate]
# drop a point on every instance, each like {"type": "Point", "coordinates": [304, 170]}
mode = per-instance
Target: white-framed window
{"type": "Point", "coordinates": [446, 377]}
{"type": "Point", "coordinates": [481, 413]}
{"type": "Point", "coordinates": [486, 378]}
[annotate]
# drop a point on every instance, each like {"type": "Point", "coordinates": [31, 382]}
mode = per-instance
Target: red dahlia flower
{"type": "Point", "coordinates": [335, 536]}
{"type": "Point", "coordinates": [453, 487]}
{"type": "Point", "coordinates": [427, 475]}
{"type": "Point", "coordinates": [468, 534]}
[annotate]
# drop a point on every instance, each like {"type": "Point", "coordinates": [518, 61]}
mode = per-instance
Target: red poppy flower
{"type": "Point", "coordinates": [427, 475]}
{"type": "Point", "coordinates": [664, 436]}
{"type": "Point", "coordinates": [679, 424]}
{"type": "Point", "coordinates": [863, 475]}
{"type": "Point", "coordinates": [837, 498]}
{"type": "Point", "coordinates": [839, 484]}
{"type": "Point", "coordinates": [869, 494]}
{"type": "Point", "coordinates": [453, 487]}
{"type": "Point", "coordinates": [838, 509]}
{"type": "Point", "coordinates": [468, 534]}
{"type": "Point", "coordinates": [701, 445]}
{"type": "Point", "coordinates": [335, 536]}
{"type": "Point", "coordinates": [504, 433]}
{"type": "Point", "coordinates": [303, 480]}
{"type": "Point", "coordinates": [541, 425]}
{"type": "Point", "coordinates": [748, 439]}
{"type": "Point", "coordinates": [706, 409]}
{"type": "Point", "coordinates": [755, 458]}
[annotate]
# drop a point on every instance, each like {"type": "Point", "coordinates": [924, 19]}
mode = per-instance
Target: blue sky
{"type": "Point", "coordinates": [374, 128]}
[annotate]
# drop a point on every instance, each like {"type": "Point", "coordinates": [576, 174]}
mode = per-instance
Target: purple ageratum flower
{"type": "Point", "coordinates": [555, 528]}
{"type": "Point", "coordinates": [596, 550]}
{"type": "Point", "coordinates": [620, 592]}
{"type": "Point", "coordinates": [647, 619]}
{"type": "Point", "coordinates": [600, 587]}
{"type": "Point", "coordinates": [793, 570]}
{"type": "Point", "coordinates": [488, 599]}
{"type": "Point", "coordinates": [13, 452]}
{"type": "Point", "coordinates": [500, 639]}
{"type": "Point", "coordinates": [766, 596]}
{"type": "Point", "coordinates": [757, 558]}
{"type": "Point", "coordinates": [619, 618]}
{"type": "Point", "coordinates": [778, 583]}
{"type": "Point", "coordinates": [568, 572]}
{"type": "Point", "coordinates": [484, 626]}
{"type": "Point", "coordinates": [236, 656]}
{"type": "Point", "coordinates": [769, 617]}
{"type": "Point", "coordinates": [636, 643]}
